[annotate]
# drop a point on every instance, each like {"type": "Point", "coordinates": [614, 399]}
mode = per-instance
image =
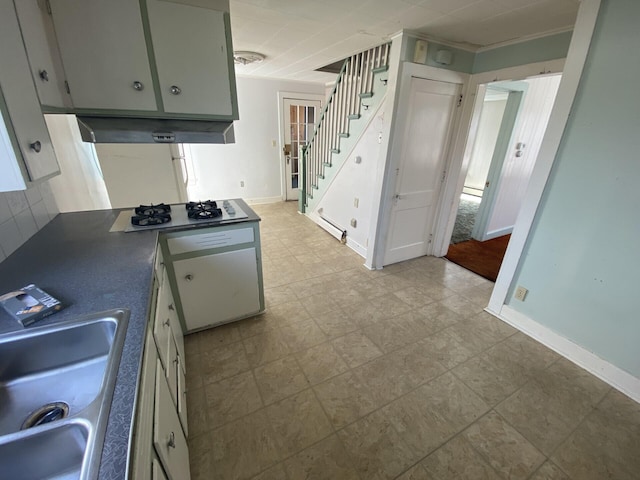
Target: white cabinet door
{"type": "Point", "coordinates": [158, 473]}
{"type": "Point", "coordinates": [171, 372]}
{"type": "Point", "coordinates": [162, 324]}
{"type": "Point", "coordinates": [168, 439]}
{"type": "Point", "coordinates": [39, 40]}
{"type": "Point", "coordinates": [193, 65]}
{"type": "Point", "coordinates": [104, 54]}
{"type": "Point", "coordinates": [218, 288]}
{"type": "Point", "coordinates": [182, 399]}
{"type": "Point", "coordinates": [19, 92]}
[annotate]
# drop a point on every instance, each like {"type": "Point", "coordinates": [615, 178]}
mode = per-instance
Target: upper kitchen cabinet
{"type": "Point", "coordinates": [104, 53]}
{"type": "Point", "coordinates": [26, 152]}
{"type": "Point", "coordinates": [40, 42]}
{"type": "Point", "coordinates": [148, 58]}
{"type": "Point", "coordinates": [195, 69]}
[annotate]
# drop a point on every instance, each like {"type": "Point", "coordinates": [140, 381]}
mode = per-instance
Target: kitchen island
{"type": "Point", "coordinates": [78, 260]}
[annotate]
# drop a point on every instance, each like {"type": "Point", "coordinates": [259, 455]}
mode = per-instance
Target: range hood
{"type": "Point", "coordinates": [154, 130]}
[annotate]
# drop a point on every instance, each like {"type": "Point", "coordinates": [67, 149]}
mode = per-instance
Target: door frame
{"type": "Point", "coordinates": [380, 224]}
{"type": "Point", "coordinates": [282, 96]}
{"type": "Point", "coordinates": [510, 117]}
{"type": "Point", "coordinates": [571, 75]}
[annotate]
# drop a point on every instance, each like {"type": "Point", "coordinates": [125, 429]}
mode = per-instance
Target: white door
{"type": "Point", "coordinates": [300, 117]}
{"type": "Point", "coordinates": [421, 168]}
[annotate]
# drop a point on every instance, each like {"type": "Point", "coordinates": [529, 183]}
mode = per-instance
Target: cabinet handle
{"type": "Point", "coordinates": [175, 90]}
{"type": "Point", "coordinates": [167, 322]}
{"type": "Point", "coordinates": [171, 307]}
{"type": "Point", "coordinates": [172, 441]}
{"type": "Point", "coordinates": [44, 75]}
{"type": "Point", "coordinates": [36, 146]}
{"type": "Point", "coordinates": [139, 86]}
{"type": "Point", "coordinates": [188, 277]}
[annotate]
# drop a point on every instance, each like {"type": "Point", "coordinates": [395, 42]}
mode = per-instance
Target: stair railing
{"type": "Point", "coordinates": [354, 82]}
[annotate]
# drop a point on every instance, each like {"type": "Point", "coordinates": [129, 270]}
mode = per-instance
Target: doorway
{"type": "Point", "coordinates": [512, 123]}
{"type": "Point", "coordinates": [298, 119]}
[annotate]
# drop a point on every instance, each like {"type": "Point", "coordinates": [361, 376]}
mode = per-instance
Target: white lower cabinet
{"type": "Point", "coordinates": [159, 446]}
{"type": "Point", "coordinates": [156, 470]}
{"type": "Point", "coordinates": [219, 287]}
{"type": "Point", "coordinates": [168, 438]}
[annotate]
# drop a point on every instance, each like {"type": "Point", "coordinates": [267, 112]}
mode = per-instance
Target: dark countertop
{"type": "Point", "coordinates": [77, 260]}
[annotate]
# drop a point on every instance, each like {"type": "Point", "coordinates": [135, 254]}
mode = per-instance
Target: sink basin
{"type": "Point", "coordinates": [54, 453]}
{"type": "Point", "coordinates": [56, 386]}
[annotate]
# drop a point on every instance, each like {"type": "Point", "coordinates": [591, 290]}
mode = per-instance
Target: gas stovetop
{"type": "Point", "coordinates": [149, 217]}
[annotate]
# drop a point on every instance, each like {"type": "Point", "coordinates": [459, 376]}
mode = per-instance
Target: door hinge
{"type": "Point", "coordinates": [430, 237]}
{"type": "Point", "coordinates": [460, 100]}
{"type": "Point", "coordinates": [66, 87]}
{"type": "Point", "coordinates": [444, 175]}
{"type": "Point", "coordinates": [48, 5]}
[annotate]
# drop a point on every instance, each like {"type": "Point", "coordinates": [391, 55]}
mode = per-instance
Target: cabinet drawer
{"type": "Point", "coordinates": [168, 439]}
{"type": "Point", "coordinates": [208, 240]}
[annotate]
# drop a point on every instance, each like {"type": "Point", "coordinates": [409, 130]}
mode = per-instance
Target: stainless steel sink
{"type": "Point", "coordinates": [56, 386]}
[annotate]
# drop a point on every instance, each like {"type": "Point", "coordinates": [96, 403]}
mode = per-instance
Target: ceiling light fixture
{"type": "Point", "coordinates": [244, 58]}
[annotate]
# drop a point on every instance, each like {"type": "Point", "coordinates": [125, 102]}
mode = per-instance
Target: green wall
{"type": "Point", "coordinates": [581, 262]}
{"type": "Point", "coordinates": [532, 51]}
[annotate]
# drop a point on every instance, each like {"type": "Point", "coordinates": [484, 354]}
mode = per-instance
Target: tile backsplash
{"type": "Point", "coordinates": [22, 214]}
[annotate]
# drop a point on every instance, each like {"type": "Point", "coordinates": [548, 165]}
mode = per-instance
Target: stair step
{"type": "Point", "coordinates": [335, 150]}
{"type": "Point", "coordinates": [343, 135]}
{"type": "Point", "coordinates": [384, 68]}
{"type": "Point", "coordinates": [354, 116]}
{"type": "Point", "coordinates": [366, 95]}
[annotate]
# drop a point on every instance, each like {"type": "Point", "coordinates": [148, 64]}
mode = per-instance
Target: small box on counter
{"type": "Point", "coordinates": [30, 304]}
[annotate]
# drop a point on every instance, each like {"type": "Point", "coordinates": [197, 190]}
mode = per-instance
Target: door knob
{"type": "Point", "coordinates": [175, 90]}
{"type": "Point", "coordinates": [172, 441]}
{"type": "Point", "coordinates": [36, 146]}
{"type": "Point", "coordinates": [44, 75]}
{"type": "Point", "coordinates": [188, 277]}
{"type": "Point", "coordinates": [139, 86]}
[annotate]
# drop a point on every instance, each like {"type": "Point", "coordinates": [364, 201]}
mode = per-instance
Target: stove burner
{"type": "Point", "coordinates": [150, 219]}
{"type": "Point", "coordinates": [152, 209]}
{"type": "Point", "coordinates": [203, 210]}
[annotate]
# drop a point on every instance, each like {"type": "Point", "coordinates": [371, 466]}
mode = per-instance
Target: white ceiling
{"type": "Point", "coordinates": [298, 36]}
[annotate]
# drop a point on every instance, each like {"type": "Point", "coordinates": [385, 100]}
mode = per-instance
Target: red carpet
{"type": "Point", "coordinates": [483, 258]}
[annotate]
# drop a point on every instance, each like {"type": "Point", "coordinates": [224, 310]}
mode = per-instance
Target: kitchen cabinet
{"type": "Point", "coordinates": [44, 58]}
{"type": "Point", "coordinates": [28, 154]}
{"type": "Point", "coordinates": [104, 54]}
{"type": "Point", "coordinates": [152, 58]}
{"type": "Point", "coordinates": [193, 70]}
{"type": "Point", "coordinates": [216, 272]}
{"type": "Point", "coordinates": [159, 444]}
{"type": "Point", "coordinates": [169, 441]}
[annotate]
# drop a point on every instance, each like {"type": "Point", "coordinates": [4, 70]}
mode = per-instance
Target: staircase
{"type": "Point", "coordinates": [354, 86]}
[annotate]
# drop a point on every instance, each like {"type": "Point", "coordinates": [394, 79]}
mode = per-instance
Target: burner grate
{"type": "Point", "coordinates": [203, 210]}
{"type": "Point", "coordinates": [152, 209]}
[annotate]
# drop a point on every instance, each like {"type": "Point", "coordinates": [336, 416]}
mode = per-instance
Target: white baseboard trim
{"type": "Point", "coordinates": [497, 233]}
{"type": "Point", "coordinates": [605, 371]}
{"type": "Point", "coordinates": [356, 247]}
{"type": "Point", "coordinates": [258, 201]}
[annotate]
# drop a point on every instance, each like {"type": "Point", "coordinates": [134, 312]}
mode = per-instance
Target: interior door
{"type": "Point", "coordinates": [300, 117]}
{"type": "Point", "coordinates": [421, 168]}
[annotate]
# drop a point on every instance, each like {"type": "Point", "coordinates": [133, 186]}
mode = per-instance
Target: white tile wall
{"type": "Point", "coordinates": [22, 214]}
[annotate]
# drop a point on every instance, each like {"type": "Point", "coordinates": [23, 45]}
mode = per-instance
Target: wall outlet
{"type": "Point", "coordinates": [354, 223]}
{"type": "Point", "coordinates": [521, 293]}
{"type": "Point", "coordinates": [242, 183]}
{"type": "Point", "coordinates": [358, 159]}
{"type": "Point", "coordinates": [356, 202]}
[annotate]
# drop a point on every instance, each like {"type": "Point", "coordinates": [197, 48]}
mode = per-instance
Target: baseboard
{"type": "Point", "coordinates": [497, 233]}
{"type": "Point", "coordinates": [259, 201]}
{"type": "Point", "coordinates": [605, 371]}
{"type": "Point", "coordinates": [356, 247]}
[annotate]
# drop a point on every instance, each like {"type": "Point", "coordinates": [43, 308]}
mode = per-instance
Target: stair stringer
{"type": "Point", "coordinates": [356, 128]}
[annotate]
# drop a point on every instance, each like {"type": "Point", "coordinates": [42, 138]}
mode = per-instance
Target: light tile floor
{"type": "Point", "coordinates": [398, 373]}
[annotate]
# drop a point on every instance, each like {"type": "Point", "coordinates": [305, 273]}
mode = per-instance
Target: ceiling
{"type": "Point", "coordinates": [298, 36]}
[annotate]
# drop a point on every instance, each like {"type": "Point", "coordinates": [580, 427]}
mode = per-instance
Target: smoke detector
{"type": "Point", "coordinates": [244, 58]}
